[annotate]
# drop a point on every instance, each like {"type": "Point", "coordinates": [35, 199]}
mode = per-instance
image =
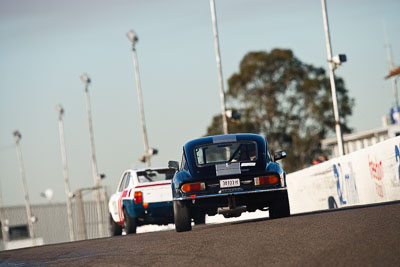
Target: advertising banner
{"type": "Point", "coordinates": [370, 175]}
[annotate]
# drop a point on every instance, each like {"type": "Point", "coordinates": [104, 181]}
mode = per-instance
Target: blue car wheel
{"type": "Point", "coordinates": [279, 207]}
{"type": "Point", "coordinates": [182, 216]}
{"type": "Point", "coordinates": [115, 229]}
{"type": "Point", "coordinates": [129, 223]}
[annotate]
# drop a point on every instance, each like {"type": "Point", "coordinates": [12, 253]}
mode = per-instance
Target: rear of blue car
{"type": "Point", "coordinates": [228, 175]}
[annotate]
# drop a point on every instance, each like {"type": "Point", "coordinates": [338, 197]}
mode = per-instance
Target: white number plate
{"type": "Point", "coordinates": [229, 183]}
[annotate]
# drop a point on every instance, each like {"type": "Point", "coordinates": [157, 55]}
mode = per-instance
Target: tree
{"type": "Point", "coordinates": [287, 101]}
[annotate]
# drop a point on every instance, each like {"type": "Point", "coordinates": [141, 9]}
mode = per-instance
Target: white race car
{"type": "Point", "coordinates": [143, 196]}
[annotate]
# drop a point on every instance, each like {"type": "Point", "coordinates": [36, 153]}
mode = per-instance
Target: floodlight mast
{"type": "Point", "coordinates": [332, 66]}
{"type": "Point", "coordinates": [219, 66]}
{"type": "Point", "coordinates": [68, 194]}
{"type": "Point", "coordinates": [86, 80]}
{"type": "Point", "coordinates": [132, 36]}
{"type": "Point", "coordinates": [391, 66]}
{"type": "Point", "coordinates": [3, 222]}
{"type": "Point", "coordinates": [18, 136]}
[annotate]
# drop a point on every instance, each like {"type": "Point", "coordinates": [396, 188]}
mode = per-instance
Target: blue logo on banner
{"type": "Point", "coordinates": [338, 186]}
{"type": "Point", "coordinates": [397, 152]}
{"type": "Point", "coordinates": [395, 115]}
{"type": "Point", "coordinates": [346, 184]}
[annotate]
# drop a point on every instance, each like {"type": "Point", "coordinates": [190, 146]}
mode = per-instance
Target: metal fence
{"type": "Point", "coordinates": [52, 222]}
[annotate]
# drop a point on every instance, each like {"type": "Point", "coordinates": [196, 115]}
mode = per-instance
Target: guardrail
{"type": "Point", "coordinates": [370, 175]}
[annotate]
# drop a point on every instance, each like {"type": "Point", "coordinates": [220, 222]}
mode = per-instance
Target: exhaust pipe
{"type": "Point", "coordinates": [231, 212]}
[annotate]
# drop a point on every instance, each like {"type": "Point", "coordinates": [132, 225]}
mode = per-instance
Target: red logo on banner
{"type": "Point", "coordinates": [376, 171]}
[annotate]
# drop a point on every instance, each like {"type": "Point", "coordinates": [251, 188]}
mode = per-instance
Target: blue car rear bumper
{"type": "Point", "coordinates": [155, 213]}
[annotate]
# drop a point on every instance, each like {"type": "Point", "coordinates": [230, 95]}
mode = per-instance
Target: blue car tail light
{"type": "Point", "coordinates": [138, 197]}
{"type": "Point", "coordinates": [265, 180]}
{"type": "Point", "coordinates": [193, 187]}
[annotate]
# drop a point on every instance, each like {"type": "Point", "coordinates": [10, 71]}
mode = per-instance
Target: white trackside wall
{"type": "Point", "coordinates": [370, 175]}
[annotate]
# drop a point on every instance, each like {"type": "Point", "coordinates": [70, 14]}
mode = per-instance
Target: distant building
{"type": "Point", "coordinates": [356, 141]}
{"type": "Point", "coordinates": [51, 226]}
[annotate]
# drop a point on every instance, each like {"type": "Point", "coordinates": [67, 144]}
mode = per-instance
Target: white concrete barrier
{"type": "Point", "coordinates": [370, 175]}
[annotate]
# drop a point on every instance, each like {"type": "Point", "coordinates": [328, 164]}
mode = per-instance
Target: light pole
{"type": "Point", "coordinates": [391, 66]}
{"type": "Point", "coordinates": [17, 136]}
{"type": "Point", "coordinates": [148, 152]}
{"type": "Point", "coordinates": [65, 171]}
{"type": "Point", "coordinates": [86, 80]}
{"type": "Point", "coordinates": [4, 222]}
{"type": "Point", "coordinates": [218, 59]}
{"type": "Point", "coordinates": [333, 63]}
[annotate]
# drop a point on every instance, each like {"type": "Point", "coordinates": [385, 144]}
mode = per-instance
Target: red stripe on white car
{"type": "Point", "coordinates": [120, 213]}
{"type": "Point", "coordinates": [140, 186]}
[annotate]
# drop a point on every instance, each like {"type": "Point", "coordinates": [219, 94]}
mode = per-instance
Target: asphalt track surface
{"type": "Point", "coordinates": [357, 236]}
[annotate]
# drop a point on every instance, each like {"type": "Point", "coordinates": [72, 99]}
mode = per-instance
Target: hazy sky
{"type": "Point", "coordinates": [45, 46]}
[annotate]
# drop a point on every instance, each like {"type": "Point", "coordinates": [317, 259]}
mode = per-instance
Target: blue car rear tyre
{"type": "Point", "coordinates": [182, 217]}
{"type": "Point", "coordinates": [279, 207]}
{"type": "Point", "coordinates": [129, 223]}
{"type": "Point", "coordinates": [115, 229]}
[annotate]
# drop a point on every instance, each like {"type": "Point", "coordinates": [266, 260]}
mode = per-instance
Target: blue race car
{"type": "Point", "coordinates": [143, 197]}
{"type": "Point", "coordinates": [228, 175]}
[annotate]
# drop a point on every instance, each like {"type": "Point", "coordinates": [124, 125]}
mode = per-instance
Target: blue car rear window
{"type": "Point", "coordinates": [225, 152]}
{"type": "Point", "coordinates": [155, 175]}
